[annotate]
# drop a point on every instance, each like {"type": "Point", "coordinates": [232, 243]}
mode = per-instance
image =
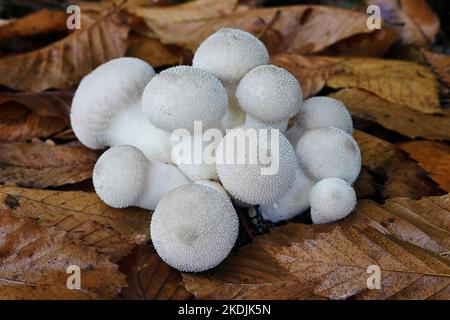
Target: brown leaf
{"type": "Point", "coordinates": [439, 62]}
{"type": "Point", "coordinates": [154, 52]}
{"type": "Point", "coordinates": [395, 117]}
{"type": "Point", "coordinates": [190, 11]}
{"type": "Point", "coordinates": [63, 63]}
{"type": "Point", "coordinates": [305, 261]}
{"type": "Point", "coordinates": [395, 81]}
{"type": "Point", "coordinates": [434, 157]}
{"type": "Point", "coordinates": [296, 29]}
{"type": "Point", "coordinates": [311, 71]}
{"type": "Point", "coordinates": [43, 21]}
{"type": "Point", "coordinates": [34, 264]}
{"type": "Point", "coordinates": [415, 20]}
{"type": "Point", "coordinates": [149, 278]}
{"type": "Point", "coordinates": [83, 216]}
{"type": "Point", "coordinates": [40, 165]}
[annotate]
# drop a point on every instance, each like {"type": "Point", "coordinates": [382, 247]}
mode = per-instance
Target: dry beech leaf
{"type": "Point", "coordinates": [63, 63]}
{"type": "Point", "coordinates": [311, 71]}
{"type": "Point", "coordinates": [424, 223]}
{"type": "Point", "coordinates": [439, 62]}
{"type": "Point", "coordinates": [395, 117]}
{"type": "Point", "coordinates": [300, 261]}
{"type": "Point", "coordinates": [29, 115]}
{"type": "Point", "coordinates": [34, 264]}
{"type": "Point", "coordinates": [154, 52]}
{"type": "Point", "coordinates": [403, 177]}
{"type": "Point", "coordinates": [40, 165]}
{"type": "Point", "coordinates": [43, 21]}
{"type": "Point", "coordinates": [416, 22]}
{"type": "Point", "coordinates": [395, 81]}
{"type": "Point", "coordinates": [83, 216]}
{"type": "Point", "coordinates": [432, 156]}
{"type": "Point", "coordinates": [149, 278]}
{"type": "Point", "coordinates": [190, 11]}
{"type": "Point", "coordinates": [296, 29]}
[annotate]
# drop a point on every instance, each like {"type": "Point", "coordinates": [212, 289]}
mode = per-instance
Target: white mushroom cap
{"type": "Point", "coordinates": [230, 53]}
{"type": "Point", "coordinates": [329, 152]}
{"type": "Point", "coordinates": [270, 94]}
{"type": "Point", "coordinates": [245, 177]}
{"type": "Point", "coordinates": [331, 199]}
{"type": "Point", "coordinates": [178, 96]}
{"type": "Point", "coordinates": [106, 91]}
{"type": "Point", "coordinates": [293, 203]}
{"type": "Point", "coordinates": [119, 176]}
{"type": "Point", "coordinates": [320, 112]}
{"type": "Point", "coordinates": [214, 185]}
{"type": "Point", "coordinates": [194, 228]}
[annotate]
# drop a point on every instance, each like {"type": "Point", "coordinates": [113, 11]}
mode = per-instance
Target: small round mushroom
{"type": "Point", "coordinates": [229, 54]}
{"type": "Point", "coordinates": [124, 177]}
{"type": "Point", "coordinates": [179, 96]}
{"type": "Point", "coordinates": [293, 203]}
{"type": "Point", "coordinates": [269, 95]}
{"type": "Point", "coordinates": [106, 109]}
{"type": "Point", "coordinates": [331, 199]}
{"type": "Point", "coordinates": [251, 169]}
{"type": "Point", "coordinates": [214, 185]}
{"type": "Point", "coordinates": [329, 152]}
{"type": "Point", "coordinates": [194, 228]}
{"type": "Point", "coordinates": [320, 112]}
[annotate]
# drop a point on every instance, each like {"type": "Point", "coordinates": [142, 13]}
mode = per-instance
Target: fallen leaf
{"type": "Point", "coordinates": [83, 216]}
{"type": "Point", "coordinates": [150, 278]}
{"type": "Point", "coordinates": [439, 62]}
{"type": "Point", "coordinates": [39, 165]}
{"type": "Point", "coordinates": [295, 29]}
{"type": "Point", "coordinates": [43, 21]}
{"type": "Point", "coordinates": [396, 117]}
{"type": "Point", "coordinates": [305, 261]}
{"type": "Point", "coordinates": [311, 71]}
{"type": "Point", "coordinates": [189, 11]}
{"type": "Point", "coordinates": [433, 157]}
{"type": "Point", "coordinates": [424, 223]}
{"type": "Point", "coordinates": [63, 63]}
{"type": "Point", "coordinates": [29, 115]}
{"type": "Point", "coordinates": [414, 19]}
{"type": "Point", "coordinates": [154, 52]}
{"type": "Point", "coordinates": [395, 81]}
{"type": "Point", "coordinates": [34, 264]}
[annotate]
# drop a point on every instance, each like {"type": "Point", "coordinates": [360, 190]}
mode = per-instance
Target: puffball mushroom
{"type": "Point", "coordinates": [124, 177]}
{"type": "Point", "coordinates": [331, 199]}
{"type": "Point", "coordinates": [320, 112]}
{"type": "Point", "coordinates": [230, 54]}
{"type": "Point", "coordinates": [245, 172]}
{"type": "Point", "coordinates": [329, 152]}
{"type": "Point", "coordinates": [194, 228]}
{"type": "Point", "coordinates": [294, 202]}
{"type": "Point", "coordinates": [269, 95]}
{"type": "Point", "coordinates": [106, 109]}
{"type": "Point", "coordinates": [179, 96]}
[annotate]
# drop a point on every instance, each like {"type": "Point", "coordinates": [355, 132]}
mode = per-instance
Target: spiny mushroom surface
{"type": "Point", "coordinates": [106, 109]}
{"type": "Point", "coordinates": [230, 54]}
{"type": "Point", "coordinates": [331, 199]}
{"type": "Point", "coordinates": [178, 96]}
{"type": "Point", "coordinates": [241, 164]}
{"type": "Point", "coordinates": [194, 228]}
{"type": "Point", "coordinates": [294, 202]}
{"type": "Point", "coordinates": [269, 95]}
{"type": "Point", "coordinates": [124, 177]}
{"type": "Point", "coordinates": [329, 152]}
{"type": "Point", "coordinates": [320, 112]}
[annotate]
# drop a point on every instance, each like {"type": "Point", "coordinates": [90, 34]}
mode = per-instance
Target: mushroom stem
{"type": "Point", "coordinates": [234, 117]}
{"type": "Point", "coordinates": [130, 127]}
{"type": "Point", "coordinates": [282, 126]}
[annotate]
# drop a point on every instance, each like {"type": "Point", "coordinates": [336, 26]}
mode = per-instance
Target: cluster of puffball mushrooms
{"type": "Point", "coordinates": [124, 105]}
